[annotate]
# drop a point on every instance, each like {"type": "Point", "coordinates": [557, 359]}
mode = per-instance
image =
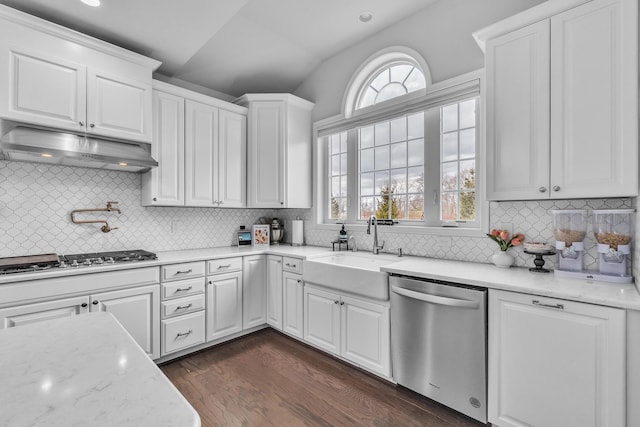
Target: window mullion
{"type": "Point", "coordinates": [353, 192]}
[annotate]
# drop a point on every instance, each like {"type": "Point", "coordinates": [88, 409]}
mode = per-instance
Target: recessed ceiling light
{"type": "Point", "coordinates": [366, 16]}
{"type": "Point", "coordinates": [94, 3]}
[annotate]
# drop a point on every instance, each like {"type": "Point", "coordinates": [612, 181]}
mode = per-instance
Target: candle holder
{"type": "Point", "coordinates": [539, 261]}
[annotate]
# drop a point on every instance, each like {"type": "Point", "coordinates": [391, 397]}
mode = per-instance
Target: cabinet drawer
{"type": "Point", "coordinates": [182, 288]}
{"type": "Point", "coordinates": [293, 265]}
{"type": "Point", "coordinates": [182, 306]}
{"type": "Point", "coordinates": [224, 265]}
{"type": "Point", "coordinates": [182, 332]}
{"type": "Point", "coordinates": [182, 271]}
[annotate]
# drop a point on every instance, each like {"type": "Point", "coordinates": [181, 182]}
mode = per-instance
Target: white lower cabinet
{"type": "Point", "coordinates": [137, 311]}
{"type": "Point", "coordinates": [354, 329]}
{"type": "Point", "coordinates": [554, 362]}
{"type": "Point", "coordinates": [254, 302]}
{"type": "Point", "coordinates": [44, 311]}
{"type": "Point", "coordinates": [224, 305]}
{"type": "Point", "coordinates": [183, 331]}
{"type": "Point", "coordinates": [293, 304]}
{"type": "Point", "coordinates": [274, 291]}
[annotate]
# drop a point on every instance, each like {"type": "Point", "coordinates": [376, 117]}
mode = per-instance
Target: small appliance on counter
{"type": "Point", "coordinates": [243, 236]}
{"type": "Point", "coordinates": [570, 229]}
{"type": "Point", "coordinates": [614, 230]}
{"type": "Point", "coordinates": [277, 231]}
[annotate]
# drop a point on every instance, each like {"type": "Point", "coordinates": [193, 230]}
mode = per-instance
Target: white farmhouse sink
{"type": "Point", "coordinates": [353, 272]}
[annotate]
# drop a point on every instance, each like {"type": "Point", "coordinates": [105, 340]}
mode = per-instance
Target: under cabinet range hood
{"type": "Point", "coordinates": [26, 144]}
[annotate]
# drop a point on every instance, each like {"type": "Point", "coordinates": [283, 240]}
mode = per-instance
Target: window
{"type": "Point", "coordinates": [392, 81]}
{"type": "Point", "coordinates": [338, 176]}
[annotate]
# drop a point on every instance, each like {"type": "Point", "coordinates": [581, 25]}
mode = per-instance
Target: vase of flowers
{"type": "Point", "coordinates": [503, 259]}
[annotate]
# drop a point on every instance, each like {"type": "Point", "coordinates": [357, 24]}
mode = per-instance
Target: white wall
{"type": "Point", "coordinates": [441, 33]}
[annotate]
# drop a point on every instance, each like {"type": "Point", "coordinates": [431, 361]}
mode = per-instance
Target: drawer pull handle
{"type": "Point", "coordinates": [184, 289]}
{"type": "Point", "coordinates": [183, 307]}
{"type": "Point", "coordinates": [224, 266]}
{"type": "Point", "coordinates": [184, 272]}
{"type": "Point", "coordinates": [290, 265]}
{"type": "Point", "coordinates": [184, 334]}
{"type": "Point", "coordinates": [558, 306]}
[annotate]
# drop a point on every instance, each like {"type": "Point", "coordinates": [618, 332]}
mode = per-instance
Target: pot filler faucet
{"type": "Point", "coordinates": [376, 247]}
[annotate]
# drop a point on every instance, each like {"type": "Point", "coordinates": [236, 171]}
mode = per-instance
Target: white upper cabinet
{"type": "Point", "coordinates": [54, 77]}
{"type": "Point", "coordinates": [200, 145]}
{"type": "Point", "coordinates": [562, 102]}
{"type": "Point", "coordinates": [278, 151]}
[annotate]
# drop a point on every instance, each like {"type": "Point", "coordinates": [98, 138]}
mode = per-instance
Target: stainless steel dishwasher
{"type": "Point", "coordinates": [439, 342]}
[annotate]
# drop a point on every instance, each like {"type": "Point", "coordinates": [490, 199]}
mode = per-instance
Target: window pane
{"type": "Point", "coordinates": [343, 142]}
{"type": "Point", "coordinates": [467, 206]}
{"type": "Point", "coordinates": [450, 146]}
{"type": "Point", "coordinates": [382, 133]}
{"type": "Point", "coordinates": [400, 72]}
{"type": "Point", "coordinates": [467, 175]}
{"type": "Point", "coordinates": [366, 207]}
{"type": "Point", "coordinates": [399, 207]}
{"type": "Point", "coordinates": [468, 114]}
{"type": "Point", "coordinates": [366, 184]}
{"type": "Point", "coordinates": [343, 164]}
{"type": "Point", "coordinates": [368, 98]}
{"type": "Point", "coordinates": [382, 157]}
{"type": "Point", "coordinates": [381, 80]}
{"type": "Point", "coordinates": [399, 129]}
{"type": "Point", "coordinates": [382, 182]}
{"type": "Point", "coordinates": [449, 210]}
{"type": "Point", "coordinates": [468, 143]}
{"type": "Point", "coordinates": [416, 152]}
{"type": "Point", "coordinates": [366, 137]}
{"type": "Point", "coordinates": [335, 186]}
{"type": "Point", "coordinates": [399, 180]}
{"type": "Point", "coordinates": [416, 126]}
{"type": "Point", "coordinates": [335, 144]}
{"type": "Point", "coordinates": [399, 155]}
{"type": "Point", "coordinates": [416, 180]}
{"type": "Point", "coordinates": [415, 81]}
{"type": "Point", "coordinates": [366, 160]}
{"type": "Point", "coordinates": [390, 91]}
{"type": "Point", "coordinates": [450, 118]}
{"type": "Point", "coordinates": [416, 207]}
{"type": "Point", "coordinates": [335, 165]}
{"type": "Point", "coordinates": [450, 176]}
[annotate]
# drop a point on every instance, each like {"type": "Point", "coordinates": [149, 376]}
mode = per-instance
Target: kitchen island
{"type": "Point", "coordinates": [84, 370]}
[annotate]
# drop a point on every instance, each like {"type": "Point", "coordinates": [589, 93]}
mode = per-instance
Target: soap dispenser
{"type": "Point", "coordinates": [343, 234]}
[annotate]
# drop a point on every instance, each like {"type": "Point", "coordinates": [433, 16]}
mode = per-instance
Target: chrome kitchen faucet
{"type": "Point", "coordinates": [376, 247]}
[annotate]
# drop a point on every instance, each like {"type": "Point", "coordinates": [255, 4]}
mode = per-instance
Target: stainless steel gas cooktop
{"type": "Point", "coordinates": [32, 263]}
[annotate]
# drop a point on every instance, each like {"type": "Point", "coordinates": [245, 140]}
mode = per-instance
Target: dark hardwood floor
{"type": "Point", "coordinates": [269, 379]}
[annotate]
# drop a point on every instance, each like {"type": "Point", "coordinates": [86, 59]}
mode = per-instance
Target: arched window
{"type": "Point", "coordinates": [393, 80]}
{"type": "Point", "coordinates": [389, 74]}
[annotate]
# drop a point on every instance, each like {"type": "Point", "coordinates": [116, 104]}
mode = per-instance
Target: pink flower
{"type": "Point", "coordinates": [495, 232]}
{"type": "Point", "coordinates": [504, 234]}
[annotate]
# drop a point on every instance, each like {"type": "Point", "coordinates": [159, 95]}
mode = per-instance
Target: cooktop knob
{"type": "Point", "coordinates": [98, 261]}
{"type": "Point", "coordinates": [86, 262]}
{"type": "Point", "coordinates": [74, 263]}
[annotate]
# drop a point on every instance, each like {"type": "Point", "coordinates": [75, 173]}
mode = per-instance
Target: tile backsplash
{"type": "Point", "coordinates": [36, 199]}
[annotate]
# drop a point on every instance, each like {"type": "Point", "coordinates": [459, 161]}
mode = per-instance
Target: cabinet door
{"type": "Point", "coordinates": [224, 305]}
{"type": "Point", "coordinates": [42, 312]}
{"type": "Point", "coordinates": [201, 154]}
{"type": "Point", "coordinates": [293, 304]}
{"type": "Point", "coordinates": [254, 304]}
{"type": "Point", "coordinates": [274, 291]}
{"type": "Point", "coordinates": [232, 181]}
{"type": "Point", "coordinates": [366, 335]}
{"type": "Point", "coordinates": [555, 362]}
{"type": "Point", "coordinates": [119, 107]}
{"type": "Point", "coordinates": [42, 89]}
{"type": "Point", "coordinates": [594, 104]}
{"type": "Point", "coordinates": [265, 154]}
{"type": "Point", "coordinates": [164, 185]}
{"type": "Point", "coordinates": [322, 319]}
{"type": "Point", "coordinates": [517, 119]}
{"type": "Point", "coordinates": [138, 311]}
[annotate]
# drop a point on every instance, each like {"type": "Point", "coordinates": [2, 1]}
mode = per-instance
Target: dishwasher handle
{"type": "Point", "coordinates": [434, 299]}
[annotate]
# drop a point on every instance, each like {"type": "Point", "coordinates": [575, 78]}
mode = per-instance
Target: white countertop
{"type": "Point", "coordinates": [84, 371]}
{"type": "Point", "coordinates": [519, 280]}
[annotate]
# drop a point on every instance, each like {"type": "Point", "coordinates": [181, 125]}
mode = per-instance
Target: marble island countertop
{"type": "Point", "coordinates": [84, 370]}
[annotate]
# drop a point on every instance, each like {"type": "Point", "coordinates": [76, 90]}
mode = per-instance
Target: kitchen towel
{"type": "Point", "coordinates": [297, 232]}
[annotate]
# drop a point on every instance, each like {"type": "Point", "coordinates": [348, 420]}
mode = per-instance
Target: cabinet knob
{"type": "Point", "coordinates": [155, 199]}
{"type": "Point", "coordinates": [336, 302]}
{"type": "Point", "coordinates": [282, 203]}
{"type": "Point", "coordinates": [84, 305]}
{"type": "Point", "coordinates": [81, 123]}
{"type": "Point", "coordinates": [542, 189]}
{"type": "Point", "coordinates": [556, 188]}
{"type": "Point", "coordinates": [342, 303]}
{"type": "Point", "coordinates": [92, 125]}
{"type": "Point", "coordinates": [95, 302]}
{"type": "Point", "coordinates": [299, 281]}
